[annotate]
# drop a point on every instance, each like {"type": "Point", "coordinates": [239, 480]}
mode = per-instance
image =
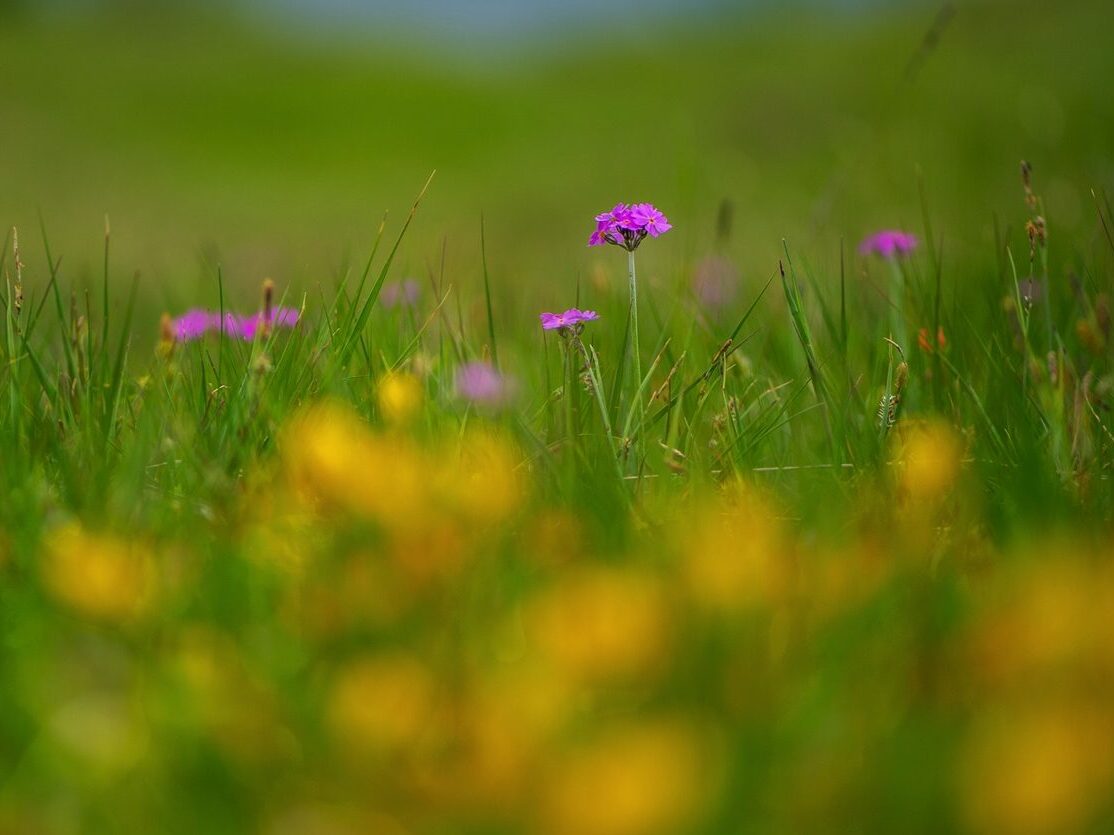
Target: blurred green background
{"type": "Point", "coordinates": [271, 139]}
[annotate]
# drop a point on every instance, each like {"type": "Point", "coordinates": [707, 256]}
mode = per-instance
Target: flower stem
{"type": "Point", "coordinates": [636, 357]}
{"type": "Point", "coordinates": [897, 302]}
{"type": "Point", "coordinates": [568, 393]}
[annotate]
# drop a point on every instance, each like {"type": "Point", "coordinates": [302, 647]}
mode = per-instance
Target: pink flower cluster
{"type": "Point", "coordinates": [194, 324]}
{"type": "Point", "coordinates": [571, 319]}
{"type": "Point", "coordinates": [888, 243]}
{"type": "Point", "coordinates": [627, 225]}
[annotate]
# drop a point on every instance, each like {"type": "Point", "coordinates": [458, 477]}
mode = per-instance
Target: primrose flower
{"type": "Point", "coordinates": [627, 225]}
{"type": "Point", "coordinates": [571, 319]}
{"type": "Point", "coordinates": [647, 217]}
{"type": "Point", "coordinates": [194, 324]}
{"type": "Point", "coordinates": [889, 243]}
{"type": "Point", "coordinates": [481, 383]}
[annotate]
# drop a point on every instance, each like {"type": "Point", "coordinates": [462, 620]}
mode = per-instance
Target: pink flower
{"type": "Point", "coordinates": [889, 243]}
{"type": "Point", "coordinates": [194, 324]}
{"type": "Point", "coordinates": [571, 318]}
{"type": "Point", "coordinates": [481, 383]}
{"type": "Point", "coordinates": [646, 216]}
{"type": "Point", "coordinates": [627, 225]}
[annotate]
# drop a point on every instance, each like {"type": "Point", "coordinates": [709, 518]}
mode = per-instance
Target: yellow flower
{"type": "Point", "coordinates": [333, 456]}
{"type": "Point", "coordinates": [495, 741]}
{"type": "Point", "coordinates": [734, 553]}
{"type": "Point", "coordinates": [632, 781]}
{"type": "Point", "coordinates": [99, 576]}
{"type": "Point", "coordinates": [479, 479]}
{"type": "Point", "coordinates": [400, 397]}
{"type": "Point", "coordinates": [1032, 771]}
{"type": "Point", "coordinates": [381, 703]}
{"type": "Point", "coordinates": [931, 457]}
{"type": "Point", "coordinates": [603, 623]}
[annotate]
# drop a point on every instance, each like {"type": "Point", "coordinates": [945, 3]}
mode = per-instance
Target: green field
{"type": "Point", "coordinates": [808, 540]}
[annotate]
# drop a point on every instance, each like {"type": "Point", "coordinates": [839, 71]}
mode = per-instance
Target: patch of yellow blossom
{"type": "Point", "coordinates": [98, 575]}
{"type": "Point", "coordinates": [400, 397]}
{"type": "Point", "coordinates": [930, 456]}
{"type": "Point", "coordinates": [639, 780]}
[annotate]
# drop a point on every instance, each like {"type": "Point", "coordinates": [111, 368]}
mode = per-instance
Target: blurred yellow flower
{"type": "Point", "coordinates": [1038, 771]}
{"type": "Point", "coordinates": [333, 456]}
{"type": "Point", "coordinates": [602, 623]}
{"type": "Point", "coordinates": [930, 456]}
{"type": "Point", "coordinates": [400, 397]}
{"type": "Point", "coordinates": [500, 730]}
{"type": "Point", "coordinates": [734, 552]}
{"type": "Point", "coordinates": [1055, 622]}
{"type": "Point", "coordinates": [631, 781]}
{"type": "Point", "coordinates": [479, 479]}
{"type": "Point", "coordinates": [98, 575]}
{"type": "Point", "coordinates": [381, 703]}
{"type": "Point", "coordinates": [436, 550]}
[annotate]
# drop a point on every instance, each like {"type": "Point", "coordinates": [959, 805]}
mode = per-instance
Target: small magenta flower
{"type": "Point", "coordinates": [628, 225]}
{"type": "Point", "coordinates": [246, 327]}
{"type": "Point", "coordinates": [646, 217]}
{"type": "Point", "coordinates": [194, 324]}
{"type": "Point", "coordinates": [482, 384]}
{"type": "Point", "coordinates": [888, 243]}
{"type": "Point", "coordinates": [571, 319]}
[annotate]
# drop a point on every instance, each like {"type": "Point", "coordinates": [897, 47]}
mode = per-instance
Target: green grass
{"type": "Point", "coordinates": [277, 156]}
{"type": "Point", "coordinates": [299, 584]}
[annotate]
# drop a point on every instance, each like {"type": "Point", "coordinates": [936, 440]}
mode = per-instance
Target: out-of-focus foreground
{"type": "Point", "coordinates": [769, 526]}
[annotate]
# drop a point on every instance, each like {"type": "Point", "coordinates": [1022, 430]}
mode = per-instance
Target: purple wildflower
{"type": "Point", "coordinates": [481, 383]}
{"type": "Point", "coordinates": [400, 293]}
{"type": "Point", "coordinates": [889, 243]}
{"type": "Point", "coordinates": [194, 324]}
{"type": "Point", "coordinates": [570, 319]}
{"type": "Point", "coordinates": [646, 216]}
{"type": "Point", "coordinates": [628, 225]}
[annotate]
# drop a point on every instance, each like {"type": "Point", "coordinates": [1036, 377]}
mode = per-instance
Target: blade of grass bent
{"type": "Point", "coordinates": [373, 294]}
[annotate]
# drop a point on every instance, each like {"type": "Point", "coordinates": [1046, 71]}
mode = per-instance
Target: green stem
{"type": "Point", "coordinates": [897, 302]}
{"type": "Point", "coordinates": [593, 365]}
{"type": "Point", "coordinates": [570, 432]}
{"type": "Point", "coordinates": [636, 356]}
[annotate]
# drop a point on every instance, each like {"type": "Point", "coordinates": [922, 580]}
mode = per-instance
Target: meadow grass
{"type": "Point", "coordinates": [811, 539]}
{"type": "Point", "coordinates": [208, 139]}
{"type": "Point", "coordinates": [814, 570]}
